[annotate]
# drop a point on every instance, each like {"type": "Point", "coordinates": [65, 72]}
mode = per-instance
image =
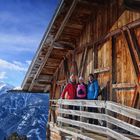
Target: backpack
{"type": "Point", "coordinates": [81, 91]}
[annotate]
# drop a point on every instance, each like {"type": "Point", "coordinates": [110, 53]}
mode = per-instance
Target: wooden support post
{"type": "Point", "coordinates": [135, 62]}
{"type": "Point", "coordinates": [84, 61]}
{"type": "Point", "coordinates": [81, 118]}
{"type": "Point", "coordinates": [114, 72]}
{"type": "Point", "coordinates": [134, 47]}
{"type": "Point", "coordinates": [112, 77]}
{"type": "Point", "coordinates": [66, 69]}
{"type": "Point", "coordinates": [81, 62]}
{"type": "Point", "coordinates": [134, 40]}
{"type": "Point", "coordinates": [136, 53]}
{"type": "Point", "coordinates": [95, 57]}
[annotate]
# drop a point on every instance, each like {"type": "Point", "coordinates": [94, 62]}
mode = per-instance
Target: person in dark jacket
{"type": "Point", "coordinates": [69, 91]}
{"type": "Point", "coordinates": [93, 88]}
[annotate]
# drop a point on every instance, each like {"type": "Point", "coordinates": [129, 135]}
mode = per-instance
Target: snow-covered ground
{"type": "Point", "coordinates": [24, 113]}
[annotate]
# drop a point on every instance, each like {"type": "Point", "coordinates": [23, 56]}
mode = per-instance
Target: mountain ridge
{"type": "Point", "coordinates": [4, 87]}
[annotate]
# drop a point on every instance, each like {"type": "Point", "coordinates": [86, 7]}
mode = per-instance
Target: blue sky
{"type": "Point", "coordinates": [22, 25]}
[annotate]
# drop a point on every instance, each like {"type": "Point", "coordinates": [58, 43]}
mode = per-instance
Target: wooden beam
{"type": "Point", "coordinates": [126, 126]}
{"type": "Point", "coordinates": [112, 106]}
{"type": "Point", "coordinates": [133, 46]}
{"type": "Point", "coordinates": [82, 136]}
{"type": "Point", "coordinates": [42, 82]}
{"type": "Point", "coordinates": [89, 103]}
{"type": "Point", "coordinates": [119, 123]}
{"type": "Point", "coordinates": [93, 128]}
{"type": "Point", "coordinates": [124, 110]}
{"type": "Point", "coordinates": [117, 135]}
{"type": "Point", "coordinates": [116, 32]}
{"type": "Point", "coordinates": [124, 86]}
{"type": "Point", "coordinates": [90, 127]}
{"type": "Point", "coordinates": [66, 69]}
{"type": "Point", "coordinates": [94, 3]}
{"type": "Point", "coordinates": [135, 61]}
{"type": "Point", "coordinates": [102, 70]}
{"type": "Point", "coordinates": [135, 41]}
{"type": "Point", "coordinates": [61, 82]}
{"type": "Point", "coordinates": [85, 114]}
{"type": "Point", "coordinates": [83, 62]}
{"type": "Point", "coordinates": [72, 7]}
{"type": "Point", "coordinates": [60, 46]}
{"type": "Point", "coordinates": [65, 21]}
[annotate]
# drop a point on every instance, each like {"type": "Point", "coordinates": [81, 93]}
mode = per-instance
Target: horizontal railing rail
{"type": "Point", "coordinates": [107, 107]}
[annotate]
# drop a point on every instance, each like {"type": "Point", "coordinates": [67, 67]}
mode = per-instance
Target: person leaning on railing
{"type": "Point", "coordinates": [93, 87]}
{"type": "Point", "coordinates": [69, 92]}
{"type": "Point", "coordinates": [81, 89]}
{"type": "Point", "coordinates": [92, 94]}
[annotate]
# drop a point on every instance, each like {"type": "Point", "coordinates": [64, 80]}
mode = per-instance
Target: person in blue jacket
{"type": "Point", "coordinates": [93, 88]}
{"type": "Point", "coordinates": [92, 94]}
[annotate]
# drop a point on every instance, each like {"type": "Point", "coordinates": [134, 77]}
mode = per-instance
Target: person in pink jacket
{"type": "Point", "coordinates": [81, 89]}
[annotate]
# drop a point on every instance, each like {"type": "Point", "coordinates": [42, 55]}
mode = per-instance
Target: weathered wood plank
{"type": "Point", "coordinates": [124, 86]}
{"type": "Point", "coordinates": [75, 134]}
{"type": "Point", "coordinates": [86, 103]}
{"type": "Point", "coordinates": [124, 110]}
{"type": "Point", "coordinates": [93, 128]}
{"type": "Point", "coordinates": [83, 114]}
{"type": "Point", "coordinates": [99, 116]}
{"type": "Point", "coordinates": [115, 107]}
{"type": "Point", "coordinates": [102, 70]}
{"type": "Point", "coordinates": [133, 129]}
{"type": "Point", "coordinates": [61, 82]}
{"type": "Point", "coordinates": [116, 135]}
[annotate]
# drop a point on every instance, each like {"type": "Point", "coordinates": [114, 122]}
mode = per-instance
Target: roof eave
{"type": "Point", "coordinates": [42, 42]}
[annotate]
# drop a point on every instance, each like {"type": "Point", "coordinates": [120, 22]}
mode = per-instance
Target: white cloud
{"type": "Point", "coordinates": [12, 66]}
{"type": "Point", "coordinates": [18, 39]}
{"type": "Point", "coordinates": [19, 42]}
{"type": "Point", "coordinates": [28, 62]}
{"type": "Point", "coordinates": [2, 75]}
{"type": "Point", "coordinates": [17, 63]}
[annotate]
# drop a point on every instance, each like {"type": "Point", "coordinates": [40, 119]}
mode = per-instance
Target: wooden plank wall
{"type": "Point", "coordinates": [124, 71]}
{"type": "Point", "coordinates": [101, 22]}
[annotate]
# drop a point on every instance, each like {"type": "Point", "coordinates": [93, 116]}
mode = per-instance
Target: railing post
{"type": "Point", "coordinates": [81, 118]}
{"type": "Point", "coordinates": [59, 107]}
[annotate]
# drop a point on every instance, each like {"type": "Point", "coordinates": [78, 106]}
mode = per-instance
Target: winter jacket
{"type": "Point", "coordinates": [69, 91]}
{"type": "Point", "coordinates": [92, 90]}
{"type": "Point", "coordinates": [81, 91]}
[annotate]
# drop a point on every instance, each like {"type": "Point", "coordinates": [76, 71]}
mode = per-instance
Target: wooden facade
{"type": "Point", "coordinates": [96, 36]}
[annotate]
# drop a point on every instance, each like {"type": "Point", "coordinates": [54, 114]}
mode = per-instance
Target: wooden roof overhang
{"type": "Point", "coordinates": [61, 37]}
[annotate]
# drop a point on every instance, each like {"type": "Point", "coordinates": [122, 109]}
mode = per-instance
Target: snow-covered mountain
{"type": "Point", "coordinates": [4, 87]}
{"type": "Point", "coordinates": [24, 113]}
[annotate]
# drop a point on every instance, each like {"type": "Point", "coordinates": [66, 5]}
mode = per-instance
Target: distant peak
{"type": "Point", "coordinates": [4, 87]}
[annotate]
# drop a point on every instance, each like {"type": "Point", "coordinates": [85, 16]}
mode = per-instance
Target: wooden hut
{"type": "Point", "coordinates": [91, 36]}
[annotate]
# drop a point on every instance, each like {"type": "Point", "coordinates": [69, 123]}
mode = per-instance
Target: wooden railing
{"type": "Point", "coordinates": [106, 115]}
